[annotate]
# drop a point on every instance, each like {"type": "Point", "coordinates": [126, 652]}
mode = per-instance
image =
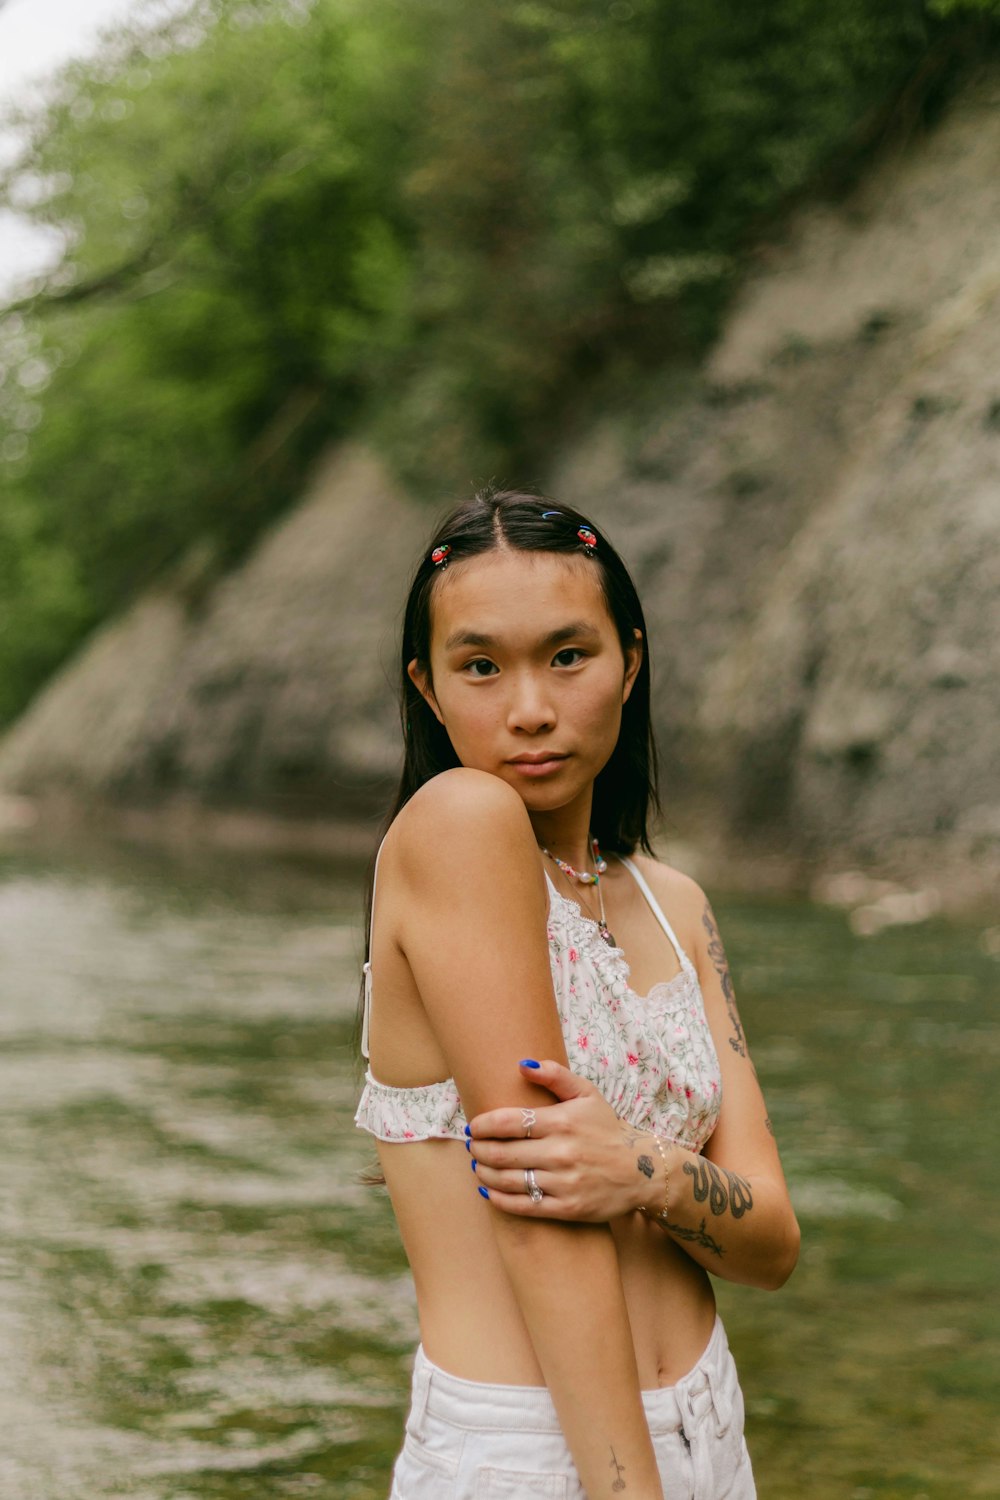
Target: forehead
{"type": "Point", "coordinates": [517, 596]}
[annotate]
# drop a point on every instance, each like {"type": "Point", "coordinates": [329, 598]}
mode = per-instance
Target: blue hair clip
{"type": "Point", "coordinates": [547, 513]}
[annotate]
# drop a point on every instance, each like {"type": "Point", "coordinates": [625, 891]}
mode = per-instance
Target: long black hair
{"type": "Point", "coordinates": [625, 791]}
{"type": "Point", "coordinates": [626, 795]}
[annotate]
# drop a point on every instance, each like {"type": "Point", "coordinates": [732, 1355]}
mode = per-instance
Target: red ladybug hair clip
{"type": "Point", "coordinates": [587, 537]}
{"type": "Point", "coordinates": [440, 554]}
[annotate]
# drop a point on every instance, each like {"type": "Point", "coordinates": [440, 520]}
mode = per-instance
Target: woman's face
{"type": "Point", "coordinates": [527, 671]}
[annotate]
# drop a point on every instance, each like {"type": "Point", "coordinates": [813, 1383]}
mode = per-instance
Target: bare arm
{"type": "Point", "coordinates": [729, 1207]}
{"type": "Point", "coordinates": [474, 937]}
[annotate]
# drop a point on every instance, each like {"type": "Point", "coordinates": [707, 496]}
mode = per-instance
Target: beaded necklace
{"type": "Point", "coordinates": [586, 878]}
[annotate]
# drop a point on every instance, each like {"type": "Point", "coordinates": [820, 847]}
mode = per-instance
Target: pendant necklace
{"type": "Point", "coordinates": [586, 878]}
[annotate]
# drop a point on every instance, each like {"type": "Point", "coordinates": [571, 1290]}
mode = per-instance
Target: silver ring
{"type": "Point", "coordinates": [531, 1187]}
{"type": "Point", "coordinates": [527, 1120]}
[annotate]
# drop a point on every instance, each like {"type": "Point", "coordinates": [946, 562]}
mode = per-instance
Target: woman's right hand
{"type": "Point", "coordinates": [590, 1165]}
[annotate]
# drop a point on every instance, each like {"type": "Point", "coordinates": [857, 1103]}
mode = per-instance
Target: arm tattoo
{"type": "Point", "coordinates": [645, 1165]}
{"type": "Point", "coordinates": [699, 1236]}
{"type": "Point", "coordinates": [767, 1122]}
{"type": "Point", "coordinates": [619, 1483]}
{"type": "Point", "coordinates": [717, 954]}
{"type": "Point", "coordinates": [722, 1189]}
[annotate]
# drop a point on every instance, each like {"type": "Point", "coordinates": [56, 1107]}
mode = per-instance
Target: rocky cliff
{"type": "Point", "coordinates": [814, 521]}
{"type": "Point", "coordinates": [818, 530]}
{"type": "Point", "coordinates": [271, 687]}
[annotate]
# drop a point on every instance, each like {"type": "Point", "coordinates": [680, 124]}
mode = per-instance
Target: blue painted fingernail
{"type": "Point", "coordinates": [468, 1145]}
{"type": "Point", "coordinates": [484, 1192]}
{"type": "Point", "coordinates": [467, 1130]}
{"type": "Point", "coordinates": [529, 1062]}
{"type": "Point", "coordinates": [473, 1164]}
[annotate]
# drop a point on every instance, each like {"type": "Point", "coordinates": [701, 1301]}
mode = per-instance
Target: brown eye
{"type": "Point", "coordinates": [567, 651]}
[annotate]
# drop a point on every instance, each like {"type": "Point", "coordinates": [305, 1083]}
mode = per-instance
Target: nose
{"type": "Point", "coordinates": [530, 709]}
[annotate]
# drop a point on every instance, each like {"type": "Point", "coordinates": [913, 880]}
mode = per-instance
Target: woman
{"type": "Point", "coordinates": [617, 1137]}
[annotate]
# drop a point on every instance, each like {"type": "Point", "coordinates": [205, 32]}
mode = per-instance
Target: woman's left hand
{"type": "Point", "coordinates": [590, 1165]}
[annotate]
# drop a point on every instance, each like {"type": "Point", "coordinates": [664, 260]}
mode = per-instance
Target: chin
{"type": "Point", "coordinates": [546, 798]}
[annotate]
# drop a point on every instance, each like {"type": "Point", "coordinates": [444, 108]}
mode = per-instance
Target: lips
{"type": "Point", "coordinates": [538, 764]}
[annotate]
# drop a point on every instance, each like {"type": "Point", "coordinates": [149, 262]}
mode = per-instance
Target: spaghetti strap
{"type": "Point", "coordinates": [367, 968]}
{"type": "Point", "coordinates": [657, 911]}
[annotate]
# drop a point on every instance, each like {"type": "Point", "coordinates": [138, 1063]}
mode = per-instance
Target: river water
{"type": "Point", "coordinates": [198, 1299]}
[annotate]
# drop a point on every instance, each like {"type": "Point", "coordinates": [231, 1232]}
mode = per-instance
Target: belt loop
{"type": "Point", "coordinates": [721, 1403]}
{"type": "Point", "coordinates": [718, 1370]}
{"type": "Point", "coordinates": [699, 1448]}
{"type": "Point", "coordinates": [686, 1410]}
{"type": "Point", "coordinates": [421, 1391]}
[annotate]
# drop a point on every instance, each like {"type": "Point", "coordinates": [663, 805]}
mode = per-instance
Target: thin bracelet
{"type": "Point", "coordinates": [660, 1213]}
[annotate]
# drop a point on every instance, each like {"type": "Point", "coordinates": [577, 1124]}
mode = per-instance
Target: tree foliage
{"type": "Point", "coordinates": [434, 223]}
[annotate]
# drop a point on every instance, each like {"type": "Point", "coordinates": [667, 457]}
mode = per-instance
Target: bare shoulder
{"type": "Point", "coordinates": [457, 802]}
{"type": "Point", "coordinates": [458, 820]}
{"type": "Point", "coordinates": [670, 884]}
{"type": "Point", "coordinates": [680, 896]}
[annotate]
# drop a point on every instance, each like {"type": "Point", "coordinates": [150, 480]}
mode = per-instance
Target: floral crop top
{"type": "Point", "coordinates": [652, 1056]}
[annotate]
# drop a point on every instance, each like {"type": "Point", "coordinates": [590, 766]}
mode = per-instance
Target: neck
{"type": "Point", "coordinates": [566, 831]}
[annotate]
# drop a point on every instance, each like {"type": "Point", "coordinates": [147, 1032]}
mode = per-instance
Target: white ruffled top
{"type": "Point", "coordinates": [652, 1056]}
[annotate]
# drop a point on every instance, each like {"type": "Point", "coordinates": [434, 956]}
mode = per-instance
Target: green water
{"type": "Point", "coordinates": [198, 1300]}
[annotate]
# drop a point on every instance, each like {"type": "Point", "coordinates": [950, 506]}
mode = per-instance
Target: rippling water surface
{"type": "Point", "coordinates": [197, 1299]}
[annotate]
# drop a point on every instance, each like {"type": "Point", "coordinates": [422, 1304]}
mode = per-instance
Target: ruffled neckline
{"type": "Point", "coordinates": [596, 946]}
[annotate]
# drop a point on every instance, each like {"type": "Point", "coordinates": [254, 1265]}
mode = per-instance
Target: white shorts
{"type": "Point", "coordinates": [466, 1440]}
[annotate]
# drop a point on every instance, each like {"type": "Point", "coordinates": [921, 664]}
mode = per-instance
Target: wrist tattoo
{"type": "Point", "coordinates": [645, 1165]}
{"type": "Point", "coordinates": [619, 1483]}
{"type": "Point", "coordinates": [717, 954]}
{"type": "Point", "coordinates": [723, 1189]}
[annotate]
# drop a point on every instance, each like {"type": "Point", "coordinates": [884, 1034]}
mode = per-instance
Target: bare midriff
{"type": "Point", "coordinates": [470, 1321]}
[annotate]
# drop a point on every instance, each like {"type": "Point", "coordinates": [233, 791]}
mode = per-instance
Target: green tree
{"type": "Point", "coordinates": [433, 223]}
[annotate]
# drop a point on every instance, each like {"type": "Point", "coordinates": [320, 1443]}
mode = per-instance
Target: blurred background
{"type": "Point", "coordinates": [280, 280]}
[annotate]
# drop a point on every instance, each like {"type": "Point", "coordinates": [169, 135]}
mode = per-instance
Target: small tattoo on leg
{"type": "Point", "coordinates": [619, 1483]}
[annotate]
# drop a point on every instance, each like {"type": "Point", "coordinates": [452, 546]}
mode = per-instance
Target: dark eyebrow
{"type": "Point", "coordinates": [468, 638]}
{"type": "Point", "coordinates": [578, 630]}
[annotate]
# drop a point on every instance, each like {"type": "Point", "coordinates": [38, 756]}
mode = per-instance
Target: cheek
{"type": "Point", "coordinates": [468, 715]}
{"type": "Point", "coordinates": [597, 708]}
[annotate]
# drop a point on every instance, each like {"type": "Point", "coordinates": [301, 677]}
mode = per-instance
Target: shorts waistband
{"type": "Point", "coordinates": [474, 1405]}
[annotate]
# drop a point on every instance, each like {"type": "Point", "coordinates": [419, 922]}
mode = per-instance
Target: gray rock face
{"type": "Point", "coordinates": [813, 520]}
{"type": "Point", "coordinates": [276, 689]}
{"type": "Point", "coordinates": [816, 531]}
